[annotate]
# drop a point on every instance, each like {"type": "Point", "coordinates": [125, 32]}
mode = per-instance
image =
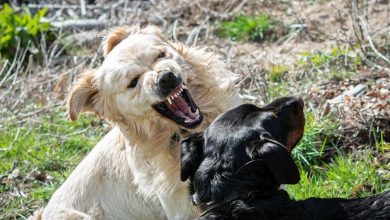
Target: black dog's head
{"type": "Point", "coordinates": [245, 149]}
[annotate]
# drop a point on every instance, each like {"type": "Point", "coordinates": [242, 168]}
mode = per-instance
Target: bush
{"type": "Point", "coordinates": [20, 29]}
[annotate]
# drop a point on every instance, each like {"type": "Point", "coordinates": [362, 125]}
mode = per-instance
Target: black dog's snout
{"type": "Point", "coordinates": [167, 82]}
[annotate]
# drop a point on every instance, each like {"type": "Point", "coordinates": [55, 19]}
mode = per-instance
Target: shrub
{"type": "Point", "coordinates": [21, 29]}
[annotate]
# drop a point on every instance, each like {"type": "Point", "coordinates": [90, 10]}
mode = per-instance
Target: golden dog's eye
{"type": "Point", "coordinates": [133, 83]}
{"type": "Point", "coordinates": [162, 54]}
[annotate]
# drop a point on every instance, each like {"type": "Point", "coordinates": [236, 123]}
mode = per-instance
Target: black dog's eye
{"type": "Point", "coordinates": [133, 83]}
{"type": "Point", "coordinates": [161, 55]}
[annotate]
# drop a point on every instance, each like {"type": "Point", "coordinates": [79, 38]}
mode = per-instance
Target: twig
{"type": "Point", "coordinates": [193, 36]}
{"type": "Point", "coordinates": [354, 17]}
{"type": "Point", "coordinates": [83, 8]}
{"type": "Point", "coordinates": [354, 92]}
{"type": "Point", "coordinates": [364, 26]}
{"type": "Point", "coordinates": [11, 67]}
{"type": "Point", "coordinates": [174, 30]}
{"type": "Point", "coordinates": [4, 67]}
{"type": "Point", "coordinates": [32, 113]}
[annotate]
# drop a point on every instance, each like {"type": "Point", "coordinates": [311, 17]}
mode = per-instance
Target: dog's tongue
{"type": "Point", "coordinates": [181, 109]}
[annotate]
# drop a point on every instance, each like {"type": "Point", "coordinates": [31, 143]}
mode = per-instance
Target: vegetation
{"type": "Point", "coordinates": [20, 30]}
{"type": "Point", "coordinates": [336, 64]}
{"type": "Point", "coordinates": [277, 72]}
{"type": "Point", "coordinates": [246, 27]}
{"type": "Point", "coordinates": [37, 156]}
{"type": "Point", "coordinates": [317, 132]}
{"type": "Point", "coordinates": [345, 177]}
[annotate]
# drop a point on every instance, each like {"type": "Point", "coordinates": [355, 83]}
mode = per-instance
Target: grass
{"type": "Point", "coordinates": [50, 144]}
{"type": "Point", "coordinates": [345, 177]}
{"type": "Point", "coordinates": [246, 27]}
{"type": "Point", "coordinates": [53, 145]}
{"type": "Point", "coordinates": [277, 72]}
{"type": "Point", "coordinates": [336, 64]}
{"type": "Point", "coordinates": [311, 67]}
{"type": "Point", "coordinates": [310, 149]}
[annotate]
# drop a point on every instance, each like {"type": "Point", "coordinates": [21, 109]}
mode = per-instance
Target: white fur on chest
{"type": "Point", "coordinates": [120, 202]}
{"type": "Point", "coordinates": [159, 176]}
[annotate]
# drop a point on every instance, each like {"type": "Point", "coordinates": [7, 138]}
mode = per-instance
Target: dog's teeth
{"type": "Point", "coordinates": [184, 87]}
{"type": "Point", "coordinates": [197, 112]}
{"type": "Point", "coordinates": [169, 100]}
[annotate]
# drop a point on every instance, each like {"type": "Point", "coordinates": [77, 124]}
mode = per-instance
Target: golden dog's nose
{"type": "Point", "coordinates": [167, 82]}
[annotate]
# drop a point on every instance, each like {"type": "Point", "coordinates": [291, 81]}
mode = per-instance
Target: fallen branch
{"type": "Point", "coordinates": [65, 6]}
{"type": "Point", "coordinates": [354, 92]}
{"type": "Point", "coordinates": [80, 24]}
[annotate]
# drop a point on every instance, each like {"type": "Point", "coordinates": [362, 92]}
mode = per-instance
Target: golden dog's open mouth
{"type": "Point", "coordinates": [179, 107]}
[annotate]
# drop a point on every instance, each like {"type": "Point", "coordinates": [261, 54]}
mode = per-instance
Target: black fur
{"type": "Point", "coordinates": [237, 165]}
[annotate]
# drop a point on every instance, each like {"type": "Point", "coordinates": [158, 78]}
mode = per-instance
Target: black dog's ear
{"type": "Point", "coordinates": [289, 110]}
{"type": "Point", "coordinates": [278, 161]}
{"type": "Point", "coordinates": [191, 155]}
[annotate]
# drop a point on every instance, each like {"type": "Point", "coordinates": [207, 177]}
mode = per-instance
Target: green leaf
{"type": "Point", "coordinates": [20, 26]}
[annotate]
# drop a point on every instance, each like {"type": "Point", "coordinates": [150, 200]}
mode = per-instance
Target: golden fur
{"type": "Point", "coordinates": [133, 172]}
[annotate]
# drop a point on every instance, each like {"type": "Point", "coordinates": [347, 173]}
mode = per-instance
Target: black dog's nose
{"type": "Point", "coordinates": [167, 82]}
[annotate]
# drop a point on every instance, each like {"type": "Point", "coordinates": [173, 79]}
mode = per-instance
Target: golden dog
{"type": "Point", "coordinates": [153, 92]}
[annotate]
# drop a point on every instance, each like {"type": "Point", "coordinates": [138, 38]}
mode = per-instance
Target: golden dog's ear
{"type": "Point", "coordinates": [114, 38]}
{"type": "Point", "coordinates": [84, 95]}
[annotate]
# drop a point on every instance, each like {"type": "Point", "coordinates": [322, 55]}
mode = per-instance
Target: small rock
{"type": "Point", "coordinates": [38, 175]}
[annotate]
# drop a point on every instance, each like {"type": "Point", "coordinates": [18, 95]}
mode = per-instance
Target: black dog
{"type": "Point", "coordinates": [237, 165]}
